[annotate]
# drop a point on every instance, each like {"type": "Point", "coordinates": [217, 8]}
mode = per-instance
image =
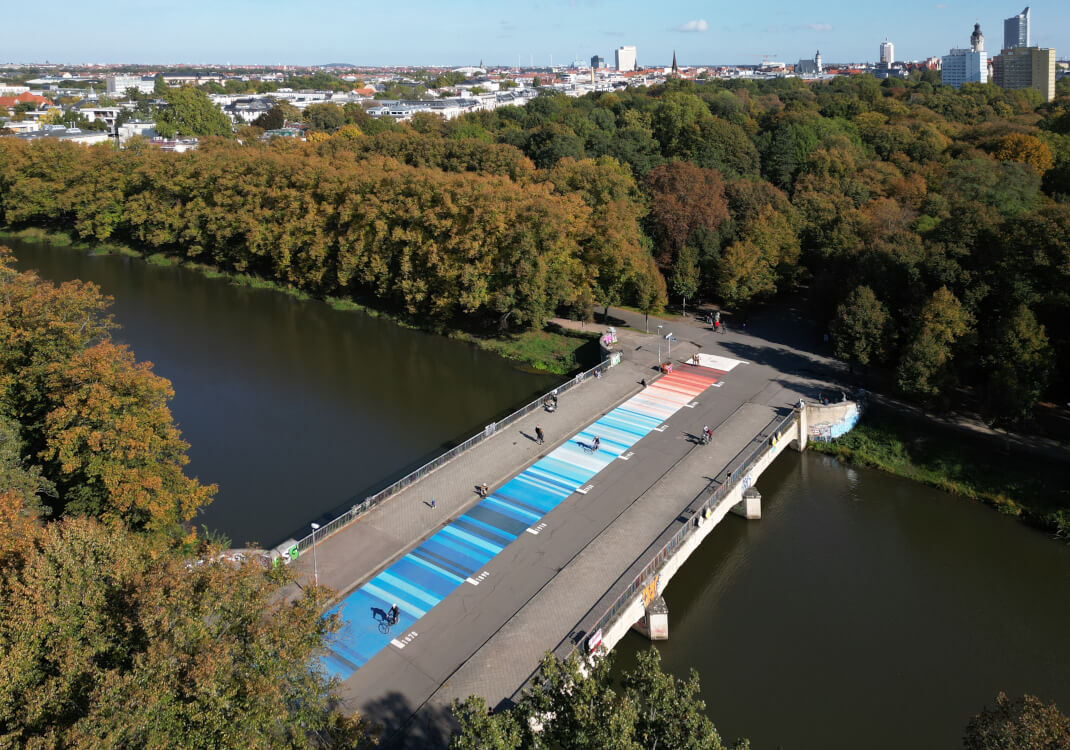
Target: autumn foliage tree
{"type": "Point", "coordinates": [108, 640]}
{"type": "Point", "coordinates": [91, 421]}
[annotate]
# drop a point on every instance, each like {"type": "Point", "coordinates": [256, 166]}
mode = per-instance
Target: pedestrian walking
{"type": "Point", "coordinates": [484, 490]}
{"type": "Point", "coordinates": [434, 503]}
{"type": "Point", "coordinates": [539, 437]}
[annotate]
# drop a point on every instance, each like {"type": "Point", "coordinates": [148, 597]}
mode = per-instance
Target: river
{"type": "Point", "coordinates": [861, 611]}
{"type": "Point", "coordinates": [291, 407]}
{"type": "Point", "coordinates": [864, 610]}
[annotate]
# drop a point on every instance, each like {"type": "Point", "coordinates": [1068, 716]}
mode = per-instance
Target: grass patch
{"type": "Point", "coordinates": [551, 350]}
{"type": "Point", "coordinates": [1032, 488]}
{"type": "Point", "coordinates": [159, 259]}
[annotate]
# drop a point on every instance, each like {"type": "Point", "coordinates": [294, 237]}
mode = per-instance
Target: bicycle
{"type": "Point", "coordinates": [385, 625]}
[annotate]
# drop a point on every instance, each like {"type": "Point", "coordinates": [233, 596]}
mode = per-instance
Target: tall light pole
{"type": "Point", "coordinates": [315, 560]}
{"type": "Point", "coordinates": [659, 347]}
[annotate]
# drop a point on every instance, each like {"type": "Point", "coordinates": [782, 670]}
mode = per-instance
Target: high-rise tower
{"type": "Point", "coordinates": [1016, 30]}
{"type": "Point", "coordinates": [977, 39]}
{"type": "Point", "coordinates": [887, 52]}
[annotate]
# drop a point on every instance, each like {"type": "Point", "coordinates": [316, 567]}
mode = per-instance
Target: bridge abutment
{"type": "Point", "coordinates": [802, 427]}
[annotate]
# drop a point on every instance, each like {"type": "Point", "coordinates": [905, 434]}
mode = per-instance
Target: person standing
{"type": "Point", "coordinates": [539, 437]}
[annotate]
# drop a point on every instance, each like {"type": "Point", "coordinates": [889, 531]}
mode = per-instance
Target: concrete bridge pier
{"type": "Point", "coordinates": [654, 623]}
{"type": "Point", "coordinates": [750, 507]}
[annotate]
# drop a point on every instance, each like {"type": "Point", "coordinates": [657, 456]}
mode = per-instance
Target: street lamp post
{"type": "Point", "coordinates": [315, 560]}
{"type": "Point", "coordinates": [659, 346]}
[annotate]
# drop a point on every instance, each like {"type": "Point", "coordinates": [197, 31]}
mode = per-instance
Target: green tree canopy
{"type": "Point", "coordinates": [189, 112]}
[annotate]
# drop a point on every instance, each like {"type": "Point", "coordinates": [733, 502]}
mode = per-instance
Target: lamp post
{"type": "Point", "coordinates": [659, 346]}
{"type": "Point", "coordinates": [315, 560]}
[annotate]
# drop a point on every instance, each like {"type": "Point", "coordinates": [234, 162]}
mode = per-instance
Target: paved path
{"type": "Point", "coordinates": [487, 639]}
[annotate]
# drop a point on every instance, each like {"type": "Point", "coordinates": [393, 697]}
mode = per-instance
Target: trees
{"type": "Point", "coordinates": [583, 708]}
{"type": "Point", "coordinates": [94, 421]}
{"type": "Point", "coordinates": [1023, 724]}
{"type": "Point", "coordinates": [924, 366]}
{"type": "Point", "coordinates": [862, 329]}
{"type": "Point", "coordinates": [109, 640]}
{"type": "Point", "coordinates": [683, 199]}
{"type": "Point", "coordinates": [325, 116]}
{"type": "Point", "coordinates": [190, 112]}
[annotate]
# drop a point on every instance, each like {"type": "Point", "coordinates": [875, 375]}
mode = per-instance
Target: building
{"type": "Point", "coordinates": [10, 102]}
{"type": "Point", "coordinates": [598, 62]}
{"type": "Point", "coordinates": [59, 133]}
{"type": "Point", "coordinates": [117, 85]}
{"type": "Point", "coordinates": [131, 128]}
{"type": "Point", "coordinates": [626, 58]}
{"type": "Point", "coordinates": [887, 52]}
{"type": "Point", "coordinates": [961, 66]}
{"type": "Point", "coordinates": [810, 67]}
{"type": "Point", "coordinates": [1026, 68]}
{"type": "Point", "coordinates": [1016, 30]}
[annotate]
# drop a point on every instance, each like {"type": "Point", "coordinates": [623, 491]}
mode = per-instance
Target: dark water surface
{"type": "Point", "coordinates": [291, 407]}
{"type": "Point", "coordinates": [864, 611]}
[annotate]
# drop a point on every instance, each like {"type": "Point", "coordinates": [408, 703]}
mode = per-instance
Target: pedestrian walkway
{"type": "Point", "coordinates": [357, 552]}
{"type": "Point", "coordinates": [451, 557]}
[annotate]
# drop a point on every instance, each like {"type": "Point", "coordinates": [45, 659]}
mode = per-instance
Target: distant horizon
{"type": "Point", "coordinates": [422, 33]}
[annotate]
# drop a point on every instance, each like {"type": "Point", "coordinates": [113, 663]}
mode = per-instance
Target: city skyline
{"type": "Point", "coordinates": [536, 33]}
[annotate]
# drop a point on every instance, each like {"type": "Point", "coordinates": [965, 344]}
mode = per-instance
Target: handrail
{"type": "Point", "coordinates": [360, 509]}
{"type": "Point", "coordinates": [706, 500]}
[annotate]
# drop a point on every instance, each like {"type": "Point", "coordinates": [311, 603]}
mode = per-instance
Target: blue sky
{"type": "Point", "coordinates": [460, 32]}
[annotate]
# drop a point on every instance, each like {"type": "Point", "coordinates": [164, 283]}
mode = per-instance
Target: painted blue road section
{"type": "Point", "coordinates": [460, 550]}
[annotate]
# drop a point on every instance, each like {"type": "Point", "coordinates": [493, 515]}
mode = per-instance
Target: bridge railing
{"type": "Point", "coordinates": [365, 505]}
{"type": "Point", "coordinates": [706, 499]}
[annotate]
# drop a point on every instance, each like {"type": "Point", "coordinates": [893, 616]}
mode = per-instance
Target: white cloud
{"type": "Point", "coordinates": [699, 25]}
{"type": "Point", "coordinates": [818, 26]}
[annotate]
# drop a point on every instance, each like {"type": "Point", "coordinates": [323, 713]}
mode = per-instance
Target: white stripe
{"type": "Point", "coordinates": [396, 642]}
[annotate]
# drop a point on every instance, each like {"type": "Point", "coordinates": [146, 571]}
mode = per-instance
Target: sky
{"type": "Point", "coordinates": [465, 32]}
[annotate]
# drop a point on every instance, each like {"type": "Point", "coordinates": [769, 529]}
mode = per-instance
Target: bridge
{"type": "Point", "coordinates": [573, 545]}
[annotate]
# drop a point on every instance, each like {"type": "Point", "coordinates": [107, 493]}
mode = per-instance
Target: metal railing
{"type": "Point", "coordinates": [705, 500]}
{"type": "Point", "coordinates": [365, 505]}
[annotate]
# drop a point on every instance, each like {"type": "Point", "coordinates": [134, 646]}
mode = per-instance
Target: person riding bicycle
{"type": "Point", "coordinates": [597, 442]}
{"type": "Point", "coordinates": [394, 614]}
{"type": "Point", "coordinates": [707, 434]}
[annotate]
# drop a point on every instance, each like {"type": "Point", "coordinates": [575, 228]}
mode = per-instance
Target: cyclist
{"type": "Point", "coordinates": [394, 614]}
{"type": "Point", "coordinates": [597, 442]}
{"type": "Point", "coordinates": [707, 434]}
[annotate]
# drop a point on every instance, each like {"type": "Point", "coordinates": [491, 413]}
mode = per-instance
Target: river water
{"type": "Point", "coordinates": [865, 611]}
{"type": "Point", "coordinates": [291, 407]}
{"type": "Point", "coordinates": [861, 611]}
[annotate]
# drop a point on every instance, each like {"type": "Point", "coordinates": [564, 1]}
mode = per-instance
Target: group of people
{"type": "Point", "coordinates": [714, 319]}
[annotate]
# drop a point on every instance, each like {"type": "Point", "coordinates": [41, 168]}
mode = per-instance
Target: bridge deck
{"type": "Point", "coordinates": [528, 593]}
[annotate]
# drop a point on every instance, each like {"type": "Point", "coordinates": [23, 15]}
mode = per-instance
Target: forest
{"type": "Point", "coordinates": [927, 228]}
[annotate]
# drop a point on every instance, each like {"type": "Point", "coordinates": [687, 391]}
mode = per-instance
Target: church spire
{"type": "Point", "coordinates": [675, 68]}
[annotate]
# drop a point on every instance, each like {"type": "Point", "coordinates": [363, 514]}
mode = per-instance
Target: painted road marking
{"type": "Point", "coordinates": [692, 405]}
{"type": "Point", "coordinates": [662, 428]}
{"type": "Point", "coordinates": [535, 530]}
{"type": "Point", "coordinates": [457, 553]}
{"type": "Point", "coordinates": [626, 456]}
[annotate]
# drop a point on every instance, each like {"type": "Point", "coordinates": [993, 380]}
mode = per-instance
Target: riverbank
{"type": "Point", "coordinates": [1034, 490]}
{"type": "Point", "coordinates": [553, 350]}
